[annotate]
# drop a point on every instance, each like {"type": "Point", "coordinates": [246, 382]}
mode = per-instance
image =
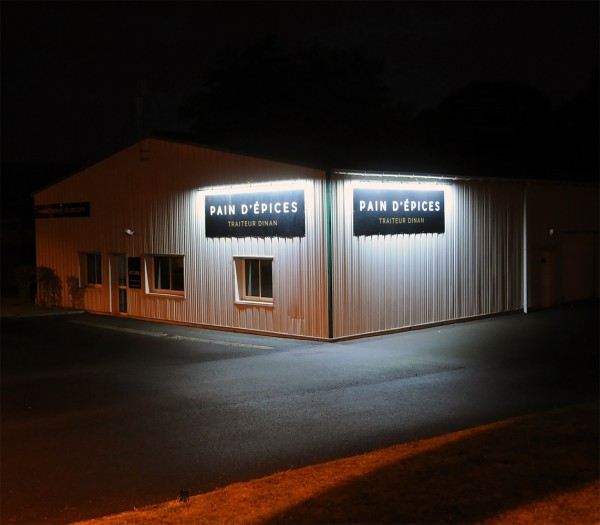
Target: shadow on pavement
{"type": "Point", "coordinates": [471, 480]}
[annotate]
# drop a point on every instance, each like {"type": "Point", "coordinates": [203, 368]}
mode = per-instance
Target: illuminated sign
{"type": "Point", "coordinates": [265, 214]}
{"type": "Point", "coordinates": [68, 209]}
{"type": "Point", "coordinates": [389, 212]}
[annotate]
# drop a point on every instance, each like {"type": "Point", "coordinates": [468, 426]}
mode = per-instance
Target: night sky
{"type": "Point", "coordinates": [479, 88]}
{"type": "Point", "coordinates": [71, 71]}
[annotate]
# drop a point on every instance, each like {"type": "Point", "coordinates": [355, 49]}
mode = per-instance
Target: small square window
{"type": "Point", "coordinates": [254, 279]}
{"type": "Point", "coordinates": [167, 274]}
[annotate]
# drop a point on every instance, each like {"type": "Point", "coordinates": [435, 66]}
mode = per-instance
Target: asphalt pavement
{"type": "Point", "coordinates": [103, 414]}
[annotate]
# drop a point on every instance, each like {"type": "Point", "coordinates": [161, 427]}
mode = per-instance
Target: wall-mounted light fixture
{"type": "Point", "coordinates": [257, 187]}
{"type": "Point", "coordinates": [129, 232]}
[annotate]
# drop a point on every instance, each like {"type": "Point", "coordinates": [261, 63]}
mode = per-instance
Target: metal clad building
{"type": "Point", "coordinates": [473, 268]}
{"type": "Point", "coordinates": [176, 232]}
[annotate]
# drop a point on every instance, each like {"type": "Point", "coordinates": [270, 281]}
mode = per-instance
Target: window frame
{"type": "Point", "coordinates": [240, 265]}
{"type": "Point", "coordinates": [84, 280]}
{"type": "Point", "coordinates": [151, 267]}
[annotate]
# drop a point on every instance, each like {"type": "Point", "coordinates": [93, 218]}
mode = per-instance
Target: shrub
{"type": "Point", "coordinates": [49, 288]}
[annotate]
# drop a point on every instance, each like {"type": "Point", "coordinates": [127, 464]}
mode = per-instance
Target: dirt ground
{"type": "Point", "coordinates": [540, 469]}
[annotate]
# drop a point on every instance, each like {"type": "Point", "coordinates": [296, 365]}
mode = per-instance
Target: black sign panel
{"type": "Point", "coordinates": [272, 214]}
{"type": "Point", "coordinates": [67, 209]}
{"type": "Point", "coordinates": [389, 212]}
{"type": "Point", "coordinates": [134, 272]}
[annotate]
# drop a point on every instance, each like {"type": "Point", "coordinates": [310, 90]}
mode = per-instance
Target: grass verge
{"type": "Point", "coordinates": [539, 469]}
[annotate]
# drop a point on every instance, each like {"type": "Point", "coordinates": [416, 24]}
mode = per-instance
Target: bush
{"type": "Point", "coordinates": [49, 288]}
{"type": "Point", "coordinates": [75, 291]}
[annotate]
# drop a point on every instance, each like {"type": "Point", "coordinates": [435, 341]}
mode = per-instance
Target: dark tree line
{"type": "Point", "coordinates": [510, 129]}
{"type": "Point", "coordinates": [331, 108]}
{"type": "Point", "coordinates": [310, 103]}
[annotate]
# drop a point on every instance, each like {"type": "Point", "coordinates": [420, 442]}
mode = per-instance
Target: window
{"type": "Point", "coordinates": [93, 269]}
{"type": "Point", "coordinates": [254, 279]}
{"type": "Point", "coordinates": [168, 274]}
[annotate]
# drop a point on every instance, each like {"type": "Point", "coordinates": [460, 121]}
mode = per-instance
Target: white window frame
{"type": "Point", "coordinates": [240, 280]}
{"type": "Point", "coordinates": [150, 275]}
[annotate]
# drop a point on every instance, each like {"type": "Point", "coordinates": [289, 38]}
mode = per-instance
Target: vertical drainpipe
{"type": "Point", "coordinates": [525, 262]}
{"type": "Point", "coordinates": [328, 235]}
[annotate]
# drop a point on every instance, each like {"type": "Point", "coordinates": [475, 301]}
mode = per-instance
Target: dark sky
{"type": "Point", "coordinates": [71, 71]}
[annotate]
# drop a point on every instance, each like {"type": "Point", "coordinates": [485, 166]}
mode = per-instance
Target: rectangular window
{"type": "Point", "coordinates": [255, 279]}
{"type": "Point", "coordinates": [168, 274]}
{"type": "Point", "coordinates": [93, 269]}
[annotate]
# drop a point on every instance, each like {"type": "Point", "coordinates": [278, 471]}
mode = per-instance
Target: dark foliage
{"type": "Point", "coordinates": [331, 108]}
{"type": "Point", "coordinates": [313, 104]}
{"type": "Point", "coordinates": [49, 288]}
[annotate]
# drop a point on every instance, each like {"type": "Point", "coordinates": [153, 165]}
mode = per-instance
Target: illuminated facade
{"type": "Point", "coordinates": [181, 233]}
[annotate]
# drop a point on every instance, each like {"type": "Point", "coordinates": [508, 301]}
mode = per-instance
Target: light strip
{"type": "Point", "coordinates": [384, 175]}
{"type": "Point", "coordinates": [400, 185]}
{"type": "Point", "coordinates": [259, 187]}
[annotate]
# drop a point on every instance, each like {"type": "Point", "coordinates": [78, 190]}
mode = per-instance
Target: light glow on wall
{"type": "Point", "coordinates": [257, 187]}
{"type": "Point", "coordinates": [400, 185]}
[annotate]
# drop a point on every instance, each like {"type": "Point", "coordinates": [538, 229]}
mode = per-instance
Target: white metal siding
{"type": "Point", "coordinates": [379, 283]}
{"type": "Point", "coordinates": [387, 282]}
{"type": "Point", "coordinates": [299, 276]}
{"type": "Point", "coordinates": [156, 194]}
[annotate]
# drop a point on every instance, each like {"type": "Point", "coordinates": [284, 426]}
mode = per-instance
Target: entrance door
{"type": "Point", "coordinates": [578, 266]}
{"type": "Point", "coordinates": [118, 284]}
{"type": "Point", "coordinates": [549, 292]}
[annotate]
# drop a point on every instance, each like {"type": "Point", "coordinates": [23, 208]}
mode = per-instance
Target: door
{"type": "Point", "coordinates": [549, 292]}
{"type": "Point", "coordinates": [578, 266]}
{"type": "Point", "coordinates": [118, 284]}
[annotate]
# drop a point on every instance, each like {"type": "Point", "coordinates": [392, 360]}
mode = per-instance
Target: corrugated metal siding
{"type": "Point", "coordinates": [379, 282]}
{"type": "Point", "coordinates": [299, 277]}
{"type": "Point", "coordinates": [387, 282]}
{"type": "Point", "coordinates": [158, 198]}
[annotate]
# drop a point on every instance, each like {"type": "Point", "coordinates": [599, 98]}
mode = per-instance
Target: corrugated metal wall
{"type": "Point", "coordinates": [379, 282]}
{"type": "Point", "coordinates": [152, 188]}
{"type": "Point", "coordinates": [299, 275]}
{"type": "Point", "coordinates": [387, 282]}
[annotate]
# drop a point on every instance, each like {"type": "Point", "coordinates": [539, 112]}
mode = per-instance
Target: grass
{"type": "Point", "coordinates": [539, 469]}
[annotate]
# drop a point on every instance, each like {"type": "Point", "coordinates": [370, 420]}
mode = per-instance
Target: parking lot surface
{"type": "Point", "coordinates": [103, 414]}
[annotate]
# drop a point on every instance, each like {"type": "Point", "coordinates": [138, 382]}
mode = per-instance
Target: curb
{"type": "Point", "coordinates": [20, 312]}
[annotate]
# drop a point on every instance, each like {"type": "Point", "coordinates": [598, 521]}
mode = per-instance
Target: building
{"type": "Point", "coordinates": [181, 233]}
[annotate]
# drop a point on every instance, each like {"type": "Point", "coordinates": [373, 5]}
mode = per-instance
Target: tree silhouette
{"type": "Point", "coordinates": [490, 128]}
{"type": "Point", "coordinates": [307, 102]}
{"type": "Point", "coordinates": [576, 133]}
{"type": "Point", "coordinates": [315, 105]}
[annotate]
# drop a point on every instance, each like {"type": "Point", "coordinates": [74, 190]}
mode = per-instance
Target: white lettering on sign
{"type": "Point", "coordinates": [264, 208]}
{"type": "Point", "coordinates": [373, 205]}
{"type": "Point", "coordinates": [405, 205]}
{"type": "Point", "coordinates": [226, 209]}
